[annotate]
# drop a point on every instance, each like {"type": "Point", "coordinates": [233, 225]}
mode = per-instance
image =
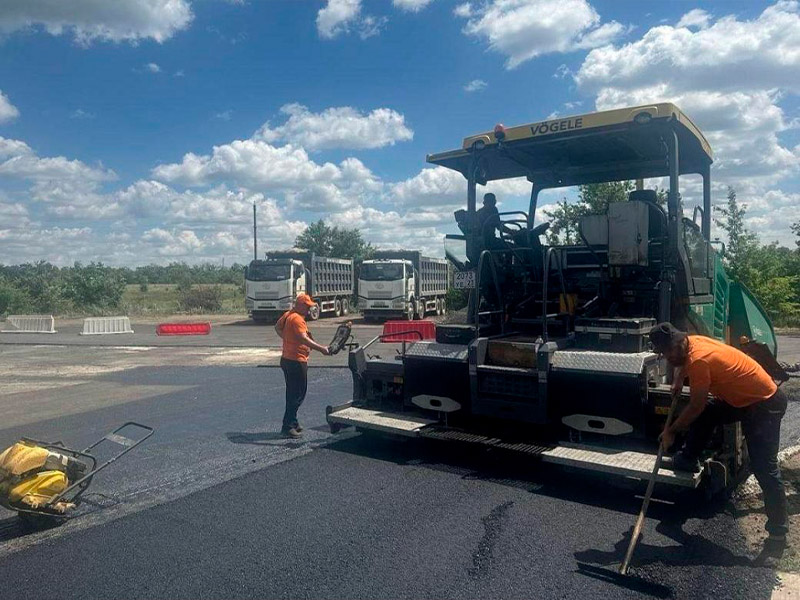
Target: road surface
{"type": "Point", "coordinates": [216, 505]}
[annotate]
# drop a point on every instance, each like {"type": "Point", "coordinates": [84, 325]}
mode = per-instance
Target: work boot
{"type": "Point", "coordinates": [771, 552]}
{"type": "Point", "coordinates": [681, 462]}
{"type": "Point", "coordinates": [298, 428]}
{"type": "Point", "coordinates": [292, 434]}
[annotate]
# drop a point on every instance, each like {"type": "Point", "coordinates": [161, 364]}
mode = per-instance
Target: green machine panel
{"type": "Point", "coordinates": [747, 317]}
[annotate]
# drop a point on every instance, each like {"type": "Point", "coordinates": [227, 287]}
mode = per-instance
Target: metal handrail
{"type": "Point", "coordinates": [478, 285]}
{"type": "Point", "coordinates": [383, 335]}
{"type": "Point", "coordinates": [545, 278]}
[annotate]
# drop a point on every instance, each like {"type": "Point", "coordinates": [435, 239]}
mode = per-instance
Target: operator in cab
{"type": "Point", "coordinates": [488, 219]}
{"type": "Point", "coordinates": [742, 391]}
{"type": "Point", "coordinates": [297, 346]}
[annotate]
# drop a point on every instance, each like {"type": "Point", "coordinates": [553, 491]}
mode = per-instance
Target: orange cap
{"type": "Point", "coordinates": [305, 299]}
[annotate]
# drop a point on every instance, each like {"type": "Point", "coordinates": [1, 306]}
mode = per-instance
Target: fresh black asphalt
{"type": "Point", "coordinates": [215, 505]}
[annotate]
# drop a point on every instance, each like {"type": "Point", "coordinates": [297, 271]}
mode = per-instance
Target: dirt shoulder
{"type": "Point", "coordinates": [751, 517]}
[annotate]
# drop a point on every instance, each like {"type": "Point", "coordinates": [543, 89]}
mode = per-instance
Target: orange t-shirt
{"type": "Point", "coordinates": [293, 326]}
{"type": "Point", "coordinates": [730, 374]}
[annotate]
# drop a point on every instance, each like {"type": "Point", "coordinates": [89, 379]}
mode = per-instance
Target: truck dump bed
{"type": "Point", "coordinates": [329, 276]}
{"type": "Point", "coordinates": [433, 272]}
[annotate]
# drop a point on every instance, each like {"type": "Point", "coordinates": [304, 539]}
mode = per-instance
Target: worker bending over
{"type": "Point", "coordinates": [742, 391]}
{"type": "Point", "coordinates": [297, 345]}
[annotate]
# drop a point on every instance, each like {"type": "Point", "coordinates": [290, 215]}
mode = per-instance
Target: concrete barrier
{"type": "Point", "coordinates": [30, 324]}
{"type": "Point", "coordinates": [106, 325]}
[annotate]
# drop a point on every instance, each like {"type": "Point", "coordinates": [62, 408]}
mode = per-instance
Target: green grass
{"type": "Point", "coordinates": [162, 299]}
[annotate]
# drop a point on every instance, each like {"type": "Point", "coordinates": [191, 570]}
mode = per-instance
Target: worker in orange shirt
{"type": "Point", "coordinates": [742, 391]}
{"type": "Point", "coordinates": [297, 345]}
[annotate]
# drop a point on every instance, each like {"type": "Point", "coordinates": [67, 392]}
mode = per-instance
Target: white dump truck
{"type": "Point", "coordinates": [402, 284]}
{"type": "Point", "coordinates": [273, 284]}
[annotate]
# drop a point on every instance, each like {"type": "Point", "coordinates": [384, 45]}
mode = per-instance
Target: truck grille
{"type": "Point", "coordinates": [375, 295]}
{"type": "Point", "coordinates": [265, 295]}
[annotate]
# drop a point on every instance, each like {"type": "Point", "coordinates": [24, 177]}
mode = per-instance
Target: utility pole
{"type": "Point", "coordinates": [255, 233]}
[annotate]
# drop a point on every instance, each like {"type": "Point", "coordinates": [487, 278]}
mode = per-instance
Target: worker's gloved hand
{"type": "Point", "coordinates": [329, 351]}
{"type": "Point", "coordinates": [667, 438]}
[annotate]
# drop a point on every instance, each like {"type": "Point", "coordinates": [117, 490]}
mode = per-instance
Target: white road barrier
{"type": "Point", "coordinates": [30, 324]}
{"type": "Point", "coordinates": [106, 325]}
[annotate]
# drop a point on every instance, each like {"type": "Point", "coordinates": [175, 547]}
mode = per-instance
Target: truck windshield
{"type": "Point", "coordinates": [268, 272]}
{"type": "Point", "coordinates": [381, 272]}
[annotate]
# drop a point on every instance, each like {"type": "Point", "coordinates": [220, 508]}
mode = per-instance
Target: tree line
{"type": "Point", "coordinates": [770, 271]}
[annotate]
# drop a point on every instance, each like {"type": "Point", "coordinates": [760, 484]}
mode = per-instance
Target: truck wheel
{"type": "Point", "coordinates": [345, 306]}
{"type": "Point", "coordinates": [337, 310]}
{"type": "Point", "coordinates": [420, 309]}
{"type": "Point", "coordinates": [444, 306]}
{"type": "Point", "coordinates": [313, 313]}
{"type": "Point", "coordinates": [410, 312]}
{"type": "Point", "coordinates": [438, 307]}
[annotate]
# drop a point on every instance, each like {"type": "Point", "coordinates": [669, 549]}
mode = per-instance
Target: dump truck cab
{"type": "Point", "coordinates": [272, 286]}
{"type": "Point", "coordinates": [553, 358]}
{"type": "Point", "coordinates": [386, 288]}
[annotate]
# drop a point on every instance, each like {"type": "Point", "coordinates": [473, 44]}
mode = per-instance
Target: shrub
{"type": "Point", "coordinates": [94, 286]}
{"type": "Point", "coordinates": [13, 300]}
{"type": "Point", "coordinates": [201, 299]}
{"type": "Point", "coordinates": [457, 299]}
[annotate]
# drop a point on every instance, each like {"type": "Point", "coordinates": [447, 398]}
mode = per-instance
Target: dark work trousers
{"type": "Point", "coordinates": [296, 374]}
{"type": "Point", "coordinates": [761, 423]}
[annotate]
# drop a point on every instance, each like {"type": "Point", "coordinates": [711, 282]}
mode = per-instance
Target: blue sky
{"type": "Point", "coordinates": [143, 131]}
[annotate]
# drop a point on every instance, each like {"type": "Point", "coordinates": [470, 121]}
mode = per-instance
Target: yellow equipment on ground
{"type": "Point", "coordinates": [45, 480]}
{"type": "Point", "coordinates": [30, 476]}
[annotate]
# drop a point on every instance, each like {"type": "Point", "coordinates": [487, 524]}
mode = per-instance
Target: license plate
{"type": "Point", "coordinates": [380, 305]}
{"type": "Point", "coordinates": [464, 280]}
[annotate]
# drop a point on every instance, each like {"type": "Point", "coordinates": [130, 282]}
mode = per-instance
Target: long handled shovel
{"type": "Point", "coordinates": [637, 530]}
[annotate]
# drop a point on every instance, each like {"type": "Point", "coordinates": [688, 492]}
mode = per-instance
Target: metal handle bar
{"type": "Point", "coordinates": [61, 448]}
{"type": "Point", "coordinates": [111, 437]}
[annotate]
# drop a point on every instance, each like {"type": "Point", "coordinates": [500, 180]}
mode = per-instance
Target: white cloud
{"type": "Point", "coordinates": [175, 243]}
{"type": "Point", "coordinates": [370, 26]}
{"type": "Point", "coordinates": [411, 5]}
{"type": "Point", "coordinates": [336, 17]}
{"type": "Point", "coordinates": [525, 29]}
{"type": "Point", "coordinates": [259, 166]}
{"type": "Point", "coordinates": [475, 85]}
{"type": "Point", "coordinates": [696, 17]}
{"type": "Point", "coordinates": [17, 160]}
{"type": "Point", "coordinates": [561, 72]}
{"type": "Point", "coordinates": [90, 20]}
{"type": "Point", "coordinates": [81, 114]}
{"type": "Point", "coordinates": [730, 76]}
{"type": "Point", "coordinates": [343, 16]}
{"type": "Point", "coordinates": [338, 127]}
{"type": "Point", "coordinates": [152, 68]}
{"type": "Point", "coordinates": [463, 10]}
{"type": "Point", "coordinates": [441, 187]}
{"type": "Point", "coordinates": [729, 55]}
{"type": "Point", "coordinates": [250, 163]}
{"type": "Point", "coordinates": [225, 115]}
{"type": "Point", "coordinates": [419, 230]}
{"type": "Point", "coordinates": [8, 112]}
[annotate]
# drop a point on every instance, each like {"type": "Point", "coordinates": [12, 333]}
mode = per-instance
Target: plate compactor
{"type": "Point", "coordinates": [46, 480]}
